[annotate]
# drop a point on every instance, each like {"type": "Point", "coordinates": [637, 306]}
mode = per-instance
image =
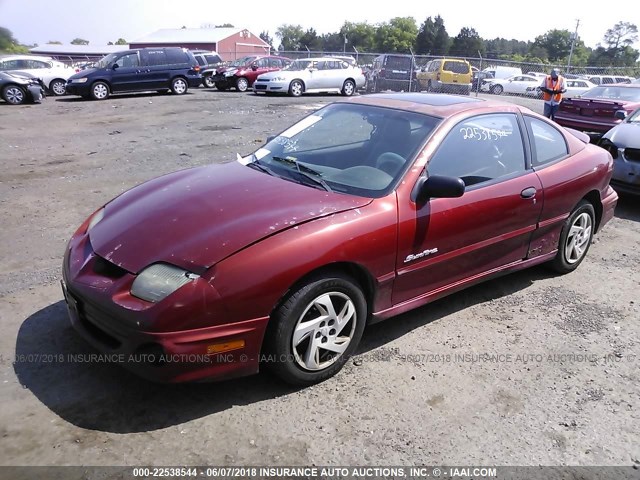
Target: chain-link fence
{"type": "Point", "coordinates": [366, 59]}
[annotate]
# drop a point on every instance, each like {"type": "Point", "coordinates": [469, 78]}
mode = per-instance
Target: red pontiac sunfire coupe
{"type": "Point", "coordinates": [366, 208]}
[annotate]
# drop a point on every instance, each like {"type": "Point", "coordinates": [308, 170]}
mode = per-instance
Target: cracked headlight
{"type": "Point", "coordinates": [159, 281]}
{"type": "Point", "coordinates": [230, 73]}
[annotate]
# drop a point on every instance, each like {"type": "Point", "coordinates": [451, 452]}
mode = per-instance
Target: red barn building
{"type": "Point", "coordinates": [230, 43]}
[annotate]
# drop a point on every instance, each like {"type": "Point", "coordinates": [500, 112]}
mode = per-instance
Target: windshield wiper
{"type": "Point", "coordinates": [305, 171]}
{"type": "Point", "coordinates": [255, 164]}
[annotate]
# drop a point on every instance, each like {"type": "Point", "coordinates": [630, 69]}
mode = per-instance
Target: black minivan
{"type": "Point", "coordinates": [392, 72]}
{"type": "Point", "coordinates": [142, 69]}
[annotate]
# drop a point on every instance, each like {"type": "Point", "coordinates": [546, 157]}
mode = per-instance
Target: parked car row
{"type": "Point", "coordinates": [53, 74]}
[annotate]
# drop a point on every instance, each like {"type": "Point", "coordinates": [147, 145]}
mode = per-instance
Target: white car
{"type": "Point", "coordinates": [53, 74]}
{"type": "Point", "coordinates": [516, 84]}
{"type": "Point", "coordinates": [574, 86]}
{"type": "Point", "coordinates": [312, 75]}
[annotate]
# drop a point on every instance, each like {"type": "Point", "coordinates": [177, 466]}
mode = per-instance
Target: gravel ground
{"type": "Point", "coordinates": [527, 369]}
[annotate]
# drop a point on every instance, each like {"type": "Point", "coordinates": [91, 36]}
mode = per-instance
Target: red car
{"type": "Point", "coordinates": [365, 209]}
{"type": "Point", "coordinates": [595, 110]}
{"type": "Point", "coordinates": [241, 73]}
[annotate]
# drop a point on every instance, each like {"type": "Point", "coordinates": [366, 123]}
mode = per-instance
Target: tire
{"type": "Point", "coordinates": [221, 86]}
{"type": "Point", "coordinates": [296, 88]}
{"type": "Point", "coordinates": [303, 328]}
{"type": "Point", "coordinates": [429, 86]}
{"type": "Point", "coordinates": [348, 88]}
{"type": "Point", "coordinates": [497, 89]}
{"type": "Point", "coordinates": [575, 239]}
{"type": "Point", "coordinates": [242, 84]}
{"type": "Point", "coordinates": [14, 95]}
{"type": "Point", "coordinates": [58, 87]}
{"type": "Point", "coordinates": [179, 86]}
{"type": "Point", "coordinates": [100, 91]}
{"type": "Point", "coordinates": [208, 81]}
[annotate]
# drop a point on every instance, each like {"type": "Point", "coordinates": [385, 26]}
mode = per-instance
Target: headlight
{"type": "Point", "coordinates": [95, 219]}
{"type": "Point", "coordinates": [280, 79]}
{"type": "Point", "coordinates": [230, 73]}
{"type": "Point", "coordinates": [160, 280]}
{"type": "Point", "coordinates": [80, 80]}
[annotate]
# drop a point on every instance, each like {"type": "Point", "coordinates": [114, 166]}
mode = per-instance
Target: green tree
{"type": "Point", "coordinates": [617, 49]}
{"type": "Point", "coordinates": [398, 35]}
{"type": "Point", "coordinates": [290, 36]}
{"type": "Point", "coordinates": [121, 41]}
{"type": "Point", "coordinates": [467, 43]}
{"type": "Point", "coordinates": [362, 36]}
{"type": "Point", "coordinates": [332, 42]}
{"type": "Point", "coordinates": [442, 41]}
{"type": "Point", "coordinates": [432, 39]}
{"type": "Point", "coordinates": [9, 44]}
{"type": "Point", "coordinates": [267, 38]}
{"type": "Point", "coordinates": [622, 34]}
{"type": "Point", "coordinates": [557, 43]}
{"type": "Point", "coordinates": [310, 40]}
{"type": "Point", "coordinates": [79, 41]}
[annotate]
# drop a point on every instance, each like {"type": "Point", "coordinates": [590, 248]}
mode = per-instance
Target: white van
{"type": "Point", "coordinates": [503, 72]}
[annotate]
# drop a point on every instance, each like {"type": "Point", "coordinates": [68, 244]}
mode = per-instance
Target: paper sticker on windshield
{"type": "Point", "coordinates": [301, 125]}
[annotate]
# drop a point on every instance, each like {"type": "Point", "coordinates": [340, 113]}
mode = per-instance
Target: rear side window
{"type": "Point", "coordinates": [200, 59]}
{"type": "Point", "coordinates": [156, 57]}
{"type": "Point", "coordinates": [547, 143]}
{"type": "Point", "coordinates": [174, 56]}
{"type": "Point", "coordinates": [456, 67]}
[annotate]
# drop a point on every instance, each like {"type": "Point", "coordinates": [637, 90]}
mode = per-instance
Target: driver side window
{"type": "Point", "coordinates": [480, 149]}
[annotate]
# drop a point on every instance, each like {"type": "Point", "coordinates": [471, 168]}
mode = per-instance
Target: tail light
{"type": "Point", "coordinates": [196, 68]}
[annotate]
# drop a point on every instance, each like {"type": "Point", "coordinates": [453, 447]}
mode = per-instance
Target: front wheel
{"type": "Point", "coordinates": [14, 95]}
{"type": "Point", "coordinates": [348, 88]}
{"type": "Point", "coordinates": [242, 84]}
{"type": "Point", "coordinates": [58, 87]}
{"type": "Point", "coordinates": [208, 81]}
{"type": "Point", "coordinates": [497, 89]}
{"type": "Point", "coordinates": [179, 86]}
{"type": "Point", "coordinates": [99, 91]}
{"type": "Point", "coordinates": [296, 88]}
{"type": "Point", "coordinates": [314, 332]}
{"type": "Point", "coordinates": [575, 239]}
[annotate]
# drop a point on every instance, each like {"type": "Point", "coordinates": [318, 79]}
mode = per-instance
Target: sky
{"type": "Point", "coordinates": [39, 21]}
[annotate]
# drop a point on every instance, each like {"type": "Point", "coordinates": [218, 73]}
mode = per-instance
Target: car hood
{"type": "Point", "coordinates": [84, 73]}
{"type": "Point", "coordinates": [194, 218]}
{"type": "Point", "coordinates": [626, 135]}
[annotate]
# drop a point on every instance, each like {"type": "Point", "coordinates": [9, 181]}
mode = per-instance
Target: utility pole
{"type": "Point", "coordinates": [574, 37]}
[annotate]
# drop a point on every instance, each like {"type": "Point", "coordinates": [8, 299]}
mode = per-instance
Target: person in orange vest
{"type": "Point", "coordinates": [552, 88]}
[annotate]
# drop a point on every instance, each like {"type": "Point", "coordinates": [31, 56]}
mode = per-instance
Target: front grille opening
{"type": "Point", "coordinates": [99, 334]}
{"type": "Point", "coordinates": [107, 269]}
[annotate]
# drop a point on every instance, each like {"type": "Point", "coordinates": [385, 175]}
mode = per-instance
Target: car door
{"type": "Point", "coordinates": [443, 242]}
{"type": "Point", "coordinates": [125, 74]}
{"type": "Point", "coordinates": [155, 72]}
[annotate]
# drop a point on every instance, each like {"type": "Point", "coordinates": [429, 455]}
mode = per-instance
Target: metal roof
{"type": "Point", "coordinates": [192, 35]}
{"type": "Point", "coordinates": [77, 49]}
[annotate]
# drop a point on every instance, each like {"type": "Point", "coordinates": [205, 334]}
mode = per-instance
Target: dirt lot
{"type": "Point", "coordinates": [560, 384]}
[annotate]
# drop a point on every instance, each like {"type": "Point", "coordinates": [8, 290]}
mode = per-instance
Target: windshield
{"type": "Point", "coordinates": [634, 117]}
{"type": "Point", "coordinates": [241, 62]}
{"type": "Point", "coordinates": [612, 92]}
{"type": "Point", "coordinates": [298, 65]}
{"type": "Point", "coordinates": [356, 149]}
{"type": "Point", "coordinates": [105, 61]}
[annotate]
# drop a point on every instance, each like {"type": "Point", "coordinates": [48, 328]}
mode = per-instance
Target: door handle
{"type": "Point", "coordinates": [528, 192]}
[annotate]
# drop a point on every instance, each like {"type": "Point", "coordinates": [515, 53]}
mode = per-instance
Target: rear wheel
{"type": "Point", "coordinates": [575, 239]}
{"type": "Point", "coordinates": [179, 86]}
{"type": "Point", "coordinates": [13, 94]}
{"type": "Point", "coordinates": [296, 88]}
{"type": "Point", "coordinates": [100, 91]}
{"type": "Point", "coordinates": [58, 87]}
{"type": "Point", "coordinates": [242, 84]}
{"type": "Point", "coordinates": [348, 88]}
{"type": "Point", "coordinates": [315, 330]}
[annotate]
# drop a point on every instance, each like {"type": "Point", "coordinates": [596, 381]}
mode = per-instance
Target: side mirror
{"type": "Point", "coordinates": [254, 67]}
{"type": "Point", "coordinates": [270, 137]}
{"type": "Point", "coordinates": [620, 114]}
{"type": "Point", "coordinates": [437, 186]}
{"type": "Point", "coordinates": [115, 66]}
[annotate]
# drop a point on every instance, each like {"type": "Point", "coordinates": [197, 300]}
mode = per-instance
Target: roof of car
{"type": "Point", "coordinates": [437, 104]}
